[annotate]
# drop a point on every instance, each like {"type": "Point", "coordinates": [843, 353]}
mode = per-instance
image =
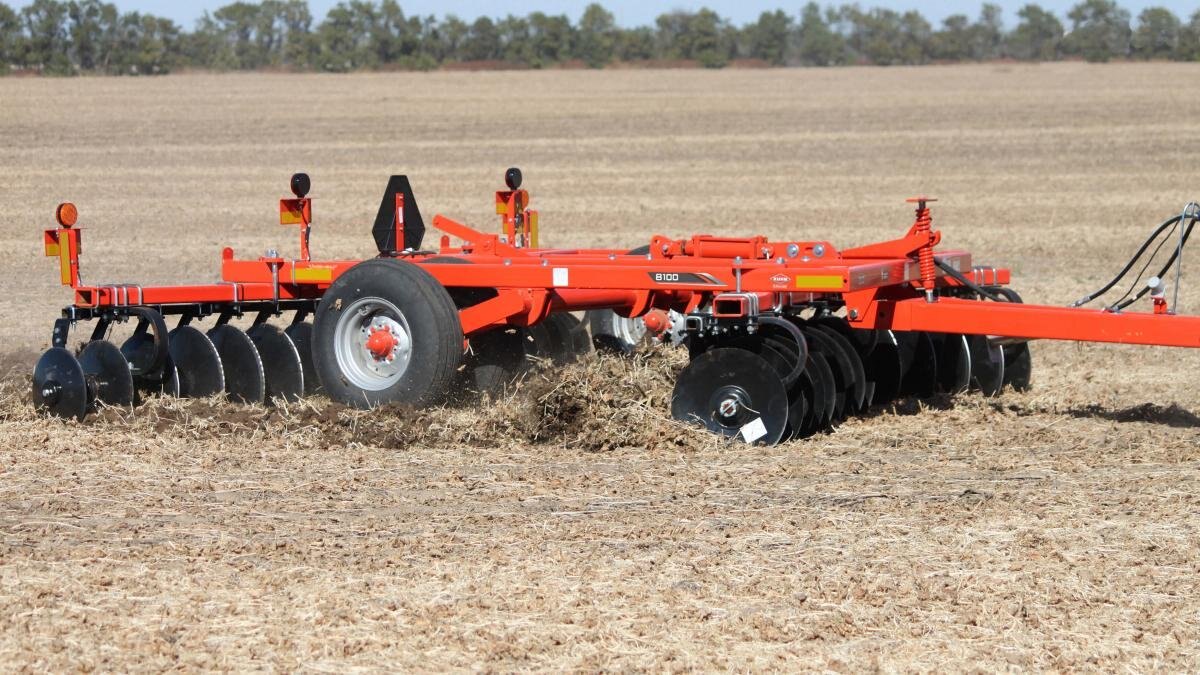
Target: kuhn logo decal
{"type": "Point", "coordinates": [781, 280]}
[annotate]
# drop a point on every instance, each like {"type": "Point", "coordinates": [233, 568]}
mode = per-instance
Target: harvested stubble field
{"type": "Point", "coordinates": [572, 525]}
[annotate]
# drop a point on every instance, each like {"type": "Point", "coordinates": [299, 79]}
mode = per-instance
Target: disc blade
{"type": "Point", "coordinates": [797, 404]}
{"type": "Point", "coordinates": [196, 362]}
{"type": "Point", "coordinates": [850, 359]}
{"type": "Point", "coordinates": [538, 341]}
{"type": "Point", "coordinates": [825, 389]}
{"type": "Point", "coordinates": [885, 368]}
{"type": "Point", "coordinates": [920, 376]}
{"type": "Point", "coordinates": [732, 392]}
{"type": "Point", "coordinates": [108, 371]}
{"type": "Point", "coordinates": [59, 385]}
{"type": "Point", "coordinates": [301, 335]}
{"type": "Point", "coordinates": [987, 365]}
{"type": "Point", "coordinates": [1018, 366]}
{"type": "Point", "coordinates": [496, 360]}
{"type": "Point", "coordinates": [954, 362]}
{"type": "Point", "coordinates": [281, 362]}
{"type": "Point", "coordinates": [244, 378]}
{"type": "Point", "coordinates": [138, 349]}
{"type": "Point", "coordinates": [839, 365]}
{"type": "Point", "coordinates": [561, 340]}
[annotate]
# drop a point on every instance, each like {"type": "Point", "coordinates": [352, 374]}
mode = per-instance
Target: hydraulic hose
{"type": "Point", "coordinates": [1128, 266]}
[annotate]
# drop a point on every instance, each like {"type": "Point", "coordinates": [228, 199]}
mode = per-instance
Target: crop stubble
{"type": "Point", "coordinates": [573, 525]}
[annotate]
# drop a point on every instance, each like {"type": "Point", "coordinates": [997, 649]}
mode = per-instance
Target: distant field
{"type": "Point", "coordinates": [1055, 529]}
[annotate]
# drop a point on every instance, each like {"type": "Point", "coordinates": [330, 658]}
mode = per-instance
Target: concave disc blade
{"type": "Point", "coordinates": [1018, 366]}
{"type": "Point", "coordinates": [954, 362]}
{"type": "Point", "coordinates": [920, 377]}
{"type": "Point", "coordinates": [825, 388]}
{"type": "Point", "coordinates": [857, 391]}
{"type": "Point", "coordinates": [59, 385]}
{"type": "Point", "coordinates": [196, 362]}
{"type": "Point", "coordinates": [140, 349]}
{"type": "Point", "coordinates": [732, 392]}
{"type": "Point", "coordinates": [559, 328]}
{"type": "Point", "coordinates": [496, 359]}
{"type": "Point", "coordinates": [281, 362]}
{"type": "Point", "coordinates": [885, 369]}
{"type": "Point", "coordinates": [539, 342]}
{"type": "Point", "coordinates": [301, 335]}
{"type": "Point", "coordinates": [865, 339]}
{"type": "Point", "coordinates": [244, 378]}
{"type": "Point", "coordinates": [987, 365]}
{"type": "Point", "coordinates": [843, 375]}
{"type": "Point", "coordinates": [797, 404]}
{"type": "Point", "coordinates": [108, 370]}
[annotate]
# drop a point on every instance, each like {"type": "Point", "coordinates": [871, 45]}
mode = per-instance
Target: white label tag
{"type": "Point", "coordinates": [561, 276]}
{"type": "Point", "coordinates": [754, 430]}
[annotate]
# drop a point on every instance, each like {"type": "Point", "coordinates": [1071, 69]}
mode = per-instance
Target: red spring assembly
{"type": "Point", "coordinates": [923, 227]}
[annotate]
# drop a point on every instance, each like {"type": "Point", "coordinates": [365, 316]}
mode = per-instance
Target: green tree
{"type": "Point", "coordinates": [702, 36]}
{"type": "Point", "coordinates": [93, 32]}
{"type": "Point", "coordinates": [953, 41]}
{"type": "Point", "coordinates": [1038, 37]}
{"type": "Point", "coordinates": [1189, 40]}
{"type": "Point", "coordinates": [597, 36]}
{"type": "Point", "coordinates": [516, 46]}
{"type": "Point", "coordinates": [48, 43]}
{"type": "Point", "coordinates": [769, 38]}
{"type": "Point", "coordinates": [1157, 35]}
{"type": "Point", "coordinates": [817, 43]}
{"type": "Point", "coordinates": [886, 37]}
{"type": "Point", "coordinates": [344, 37]}
{"type": "Point", "coordinates": [636, 44]}
{"type": "Point", "coordinates": [1100, 30]}
{"type": "Point", "coordinates": [483, 41]}
{"type": "Point", "coordinates": [551, 39]}
{"type": "Point", "coordinates": [987, 35]}
{"type": "Point", "coordinates": [12, 40]}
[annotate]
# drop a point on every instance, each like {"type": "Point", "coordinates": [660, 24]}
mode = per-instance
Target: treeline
{"type": "Point", "coordinates": [63, 38]}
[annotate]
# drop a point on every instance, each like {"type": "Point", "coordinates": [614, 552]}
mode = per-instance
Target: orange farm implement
{"type": "Point", "coordinates": [786, 338]}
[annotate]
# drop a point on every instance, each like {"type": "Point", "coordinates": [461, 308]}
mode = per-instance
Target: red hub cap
{"type": "Point", "coordinates": [381, 343]}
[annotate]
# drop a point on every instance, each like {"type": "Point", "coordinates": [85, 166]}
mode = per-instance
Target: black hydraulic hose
{"type": "Point", "coordinates": [948, 269]}
{"type": "Point", "coordinates": [1146, 289]}
{"type": "Point", "coordinates": [1142, 272]}
{"type": "Point", "coordinates": [1128, 266]}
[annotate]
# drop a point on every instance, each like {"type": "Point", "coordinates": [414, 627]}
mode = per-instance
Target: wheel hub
{"type": "Point", "coordinates": [381, 342]}
{"type": "Point", "coordinates": [373, 343]}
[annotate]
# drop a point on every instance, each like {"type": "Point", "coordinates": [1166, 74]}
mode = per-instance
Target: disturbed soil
{"type": "Point", "coordinates": [570, 524]}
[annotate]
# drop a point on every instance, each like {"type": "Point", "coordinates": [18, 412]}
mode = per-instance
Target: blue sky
{"type": "Point", "coordinates": [637, 12]}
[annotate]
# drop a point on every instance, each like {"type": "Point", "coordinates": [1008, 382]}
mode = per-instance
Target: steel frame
{"type": "Point", "coordinates": [894, 284]}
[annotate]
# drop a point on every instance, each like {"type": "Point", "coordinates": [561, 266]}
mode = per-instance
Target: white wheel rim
{"type": "Point", "coordinates": [358, 363]}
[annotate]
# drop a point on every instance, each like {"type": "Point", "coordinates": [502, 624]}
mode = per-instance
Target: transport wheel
{"type": "Point", "coordinates": [386, 332]}
{"type": "Point", "coordinates": [616, 334]}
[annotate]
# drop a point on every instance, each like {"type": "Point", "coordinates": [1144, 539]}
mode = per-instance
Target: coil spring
{"type": "Point", "coordinates": [924, 225]}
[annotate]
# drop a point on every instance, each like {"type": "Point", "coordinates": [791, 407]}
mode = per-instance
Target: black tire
{"type": "Point", "coordinates": [383, 287]}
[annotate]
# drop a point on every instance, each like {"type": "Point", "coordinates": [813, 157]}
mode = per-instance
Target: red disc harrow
{"type": "Point", "coordinates": [786, 338]}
